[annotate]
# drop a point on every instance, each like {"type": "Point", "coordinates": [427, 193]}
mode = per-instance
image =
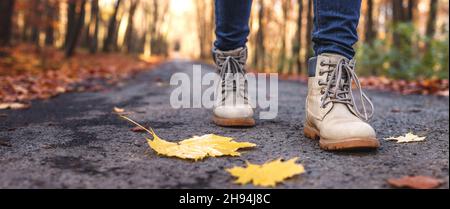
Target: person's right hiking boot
{"type": "Point", "coordinates": [331, 112]}
{"type": "Point", "coordinates": [232, 107]}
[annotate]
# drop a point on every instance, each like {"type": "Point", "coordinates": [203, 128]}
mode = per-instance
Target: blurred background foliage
{"type": "Point", "coordinates": [415, 55]}
{"type": "Point", "coordinates": [399, 39]}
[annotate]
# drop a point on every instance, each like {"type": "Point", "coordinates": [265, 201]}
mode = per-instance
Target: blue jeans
{"type": "Point", "coordinates": [335, 23]}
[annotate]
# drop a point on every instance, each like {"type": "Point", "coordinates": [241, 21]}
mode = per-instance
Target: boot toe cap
{"type": "Point", "coordinates": [241, 111]}
{"type": "Point", "coordinates": [347, 130]}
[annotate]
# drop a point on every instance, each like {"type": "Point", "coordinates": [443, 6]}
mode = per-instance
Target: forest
{"type": "Point", "coordinates": [403, 43]}
{"type": "Point", "coordinates": [90, 99]}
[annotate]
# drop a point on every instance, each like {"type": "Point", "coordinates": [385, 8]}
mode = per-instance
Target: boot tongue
{"type": "Point", "coordinates": [232, 61]}
{"type": "Point", "coordinates": [334, 58]}
{"type": "Point", "coordinates": [232, 53]}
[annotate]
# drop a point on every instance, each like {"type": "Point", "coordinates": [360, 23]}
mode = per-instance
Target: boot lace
{"type": "Point", "coordinates": [338, 87]}
{"type": "Point", "coordinates": [230, 68]}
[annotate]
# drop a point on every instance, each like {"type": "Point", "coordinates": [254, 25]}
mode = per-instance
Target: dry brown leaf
{"type": "Point", "coordinates": [23, 76]}
{"type": "Point", "coordinates": [195, 148]}
{"type": "Point", "coordinates": [409, 137]}
{"type": "Point", "coordinates": [138, 129]}
{"type": "Point", "coordinates": [268, 174]}
{"type": "Point", "coordinates": [415, 182]}
{"type": "Point", "coordinates": [5, 143]}
{"type": "Point", "coordinates": [118, 110]}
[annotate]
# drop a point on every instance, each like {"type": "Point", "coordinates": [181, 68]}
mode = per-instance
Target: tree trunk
{"type": "Point", "coordinates": [71, 18]}
{"type": "Point", "coordinates": [112, 28]}
{"type": "Point", "coordinates": [309, 27]}
{"type": "Point", "coordinates": [51, 16]}
{"type": "Point", "coordinates": [6, 13]}
{"type": "Point", "coordinates": [128, 41]}
{"type": "Point", "coordinates": [398, 11]}
{"type": "Point", "coordinates": [36, 21]}
{"type": "Point", "coordinates": [94, 23]}
{"type": "Point", "coordinates": [201, 27]}
{"type": "Point", "coordinates": [282, 55]}
{"type": "Point", "coordinates": [397, 17]}
{"type": "Point", "coordinates": [76, 29]}
{"type": "Point", "coordinates": [431, 22]}
{"type": "Point", "coordinates": [369, 32]}
{"type": "Point", "coordinates": [296, 64]}
{"type": "Point", "coordinates": [259, 58]}
{"type": "Point", "coordinates": [412, 4]}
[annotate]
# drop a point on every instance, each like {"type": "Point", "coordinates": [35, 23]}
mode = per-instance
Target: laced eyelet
{"type": "Point", "coordinates": [322, 63]}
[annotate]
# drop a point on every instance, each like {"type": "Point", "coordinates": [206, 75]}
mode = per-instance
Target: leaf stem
{"type": "Point", "coordinates": [135, 123]}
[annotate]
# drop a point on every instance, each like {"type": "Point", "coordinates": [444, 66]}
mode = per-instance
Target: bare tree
{"type": "Point", "coordinates": [412, 5]}
{"type": "Point", "coordinates": [259, 58]}
{"type": "Point", "coordinates": [129, 31]}
{"type": "Point", "coordinates": [398, 16]}
{"type": "Point", "coordinates": [71, 16]}
{"type": "Point", "coordinates": [369, 32]}
{"type": "Point", "coordinates": [6, 13]}
{"type": "Point", "coordinates": [51, 15]}
{"type": "Point", "coordinates": [296, 64]}
{"type": "Point", "coordinates": [202, 28]}
{"type": "Point", "coordinates": [282, 54]}
{"type": "Point", "coordinates": [431, 22]}
{"type": "Point", "coordinates": [309, 27]}
{"type": "Point", "coordinates": [112, 29]}
{"type": "Point", "coordinates": [74, 33]}
{"type": "Point", "coordinates": [94, 25]}
{"type": "Point", "coordinates": [158, 41]}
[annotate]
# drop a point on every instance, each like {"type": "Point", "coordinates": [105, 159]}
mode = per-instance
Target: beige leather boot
{"type": "Point", "coordinates": [331, 112]}
{"type": "Point", "coordinates": [232, 107]}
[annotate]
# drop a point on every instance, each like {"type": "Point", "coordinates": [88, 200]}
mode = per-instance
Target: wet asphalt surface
{"type": "Point", "coordinates": [75, 141]}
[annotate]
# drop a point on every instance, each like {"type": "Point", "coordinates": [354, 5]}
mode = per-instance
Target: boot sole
{"type": "Point", "coordinates": [342, 144]}
{"type": "Point", "coordinates": [234, 122]}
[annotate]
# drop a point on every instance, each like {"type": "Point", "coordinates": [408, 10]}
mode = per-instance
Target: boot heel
{"type": "Point", "coordinates": [310, 132]}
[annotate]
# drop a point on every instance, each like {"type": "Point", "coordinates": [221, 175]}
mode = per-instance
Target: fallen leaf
{"type": "Point", "coordinates": [13, 105]}
{"type": "Point", "coordinates": [409, 137]}
{"type": "Point", "coordinates": [5, 143]}
{"type": "Point", "coordinates": [444, 93]}
{"type": "Point", "coordinates": [195, 148]}
{"type": "Point", "coordinates": [24, 77]}
{"type": "Point", "coordinates": [415, 182]}
{"type": "Point", "coordinates": [137, 129]}
{"type": "Point", "coordinates": [268, 174]}
{"type": "Point", "coordinates": [118, 110]}
{"type": "Point", "coordinates": [60, 89]}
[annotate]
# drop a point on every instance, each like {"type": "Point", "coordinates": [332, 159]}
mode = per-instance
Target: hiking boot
{"type": "Point", "coordinates": [232, 107]}
{"type": "Point", "coordinates": [331, 112]}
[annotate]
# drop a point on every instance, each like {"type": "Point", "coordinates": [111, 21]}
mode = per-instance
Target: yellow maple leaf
{"type": "Point", "coordinates": [409, 137]}
{"type": "Point", "coordinates": [195, 148]}
{"type": "Point", "coordinates": [268, 174]}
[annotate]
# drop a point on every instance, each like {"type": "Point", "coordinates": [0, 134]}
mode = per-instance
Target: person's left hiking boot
{"type": "Point", "coordinates": [332, 115]}
{"type": "Point", "coordinates": [232, 107]}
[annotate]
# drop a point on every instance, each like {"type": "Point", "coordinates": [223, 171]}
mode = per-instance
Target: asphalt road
{"type": "Point", "coordinates": [75, 141]}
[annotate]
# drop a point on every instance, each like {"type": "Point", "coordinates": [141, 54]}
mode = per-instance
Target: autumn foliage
{"type": "Point", "coordinates": [26, 75]}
